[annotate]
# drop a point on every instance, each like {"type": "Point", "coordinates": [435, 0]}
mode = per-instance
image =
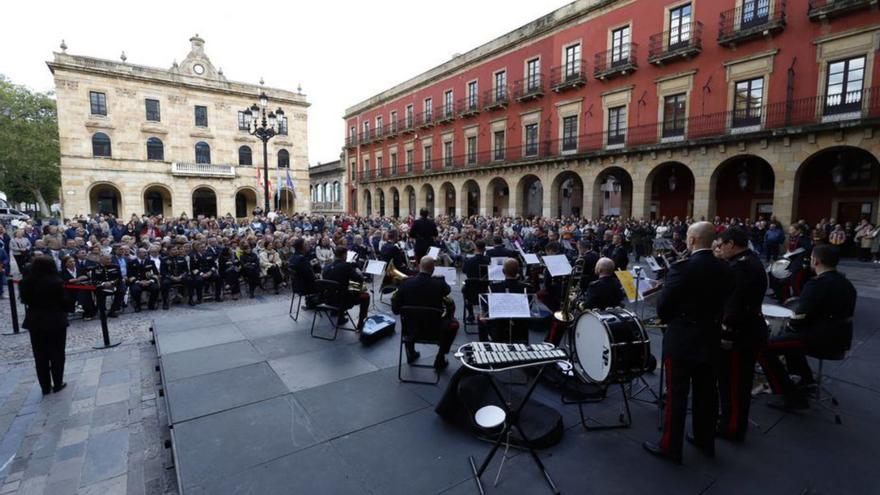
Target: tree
{"type": "Point", "coordinates": [29, 153]}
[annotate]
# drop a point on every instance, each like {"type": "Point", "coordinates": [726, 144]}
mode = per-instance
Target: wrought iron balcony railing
{"type": "Point", "coordinates": [818, 10]}
{"type": "Point", "coordinates": [445, 113]}
{"type": "Point", "coordinates": [529, 88]}
{"type": "Point", "coordinates": [620, 60]}
{"type": "Point", "coordinates": [496, 98]}
{"type": "Point", "coordinates": [570, 75]}
{"type": "Point", "coordinates": [351, 141]}
{"type": "Point", "coordinates": [468, 106]}
{"type": "Point", "coordinates": [425, 119]}
{"type": "Point", "coordinates": [676, 44]}
{"type": "Point", "coordinates": [752, 19]}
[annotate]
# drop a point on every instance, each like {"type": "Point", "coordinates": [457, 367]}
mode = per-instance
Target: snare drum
{"type": "Point", "coordinates": [609, 346]}
{"type": "Point", "coordinates": [776, 317]}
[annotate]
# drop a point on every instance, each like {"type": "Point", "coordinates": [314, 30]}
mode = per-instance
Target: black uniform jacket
{"type": "Point", "coordinates": [423, 231]}
{"type": "Point", "coordinates": [303, 275]}
{"type": "Point", "coordinates": [391, 253]}
{"type": "Point", "coordinates": [341, 272]}
{"type": "Point", "coordinates": [824, 312]}
{"type": "Point", "coordinates": [45, 303]}
{"type": "Point", "coordinates": [512, 286]}
{"type": "Point", "coordinates": [604, 293]}
{"type": "Point", "coordinates": [420, 290]}
{"type": "Point", "coordinates": [471, 266]}
{"type": "Point", "coordinates": [744, 323]}
{"type": "Point", "coordinates": [691, 304]}
{"type": "Point", "coordinates": [502, 252]}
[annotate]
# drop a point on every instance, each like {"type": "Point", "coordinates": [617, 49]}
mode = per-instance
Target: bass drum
{"type": "Point", "coordinates": [609, 346]}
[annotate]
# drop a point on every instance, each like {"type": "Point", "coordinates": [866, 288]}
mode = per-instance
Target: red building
{"type": "Point", "coordinates": [725, 107]}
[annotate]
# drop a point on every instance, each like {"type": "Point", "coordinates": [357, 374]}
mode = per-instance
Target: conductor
{"type": "Point", "coordinates": [691, 305]}
{"type": "Point", "coordinates": [424, 232]}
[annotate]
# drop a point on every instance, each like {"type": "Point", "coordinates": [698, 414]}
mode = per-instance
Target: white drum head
{"type": "Point", "coordinates": [593, 346]}
{"type": "Point", "coordinates": [774, 311]}
{"type": "Point", "coordinates": [489, 417]}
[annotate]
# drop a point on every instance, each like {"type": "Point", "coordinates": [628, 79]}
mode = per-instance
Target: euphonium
{"type": "Point", "coordinates": [571, 292]}
{"type": "Point", "coordinates": [393, 276]}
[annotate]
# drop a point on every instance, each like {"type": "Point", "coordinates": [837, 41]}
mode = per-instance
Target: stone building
{"type": "Point", "coordinates": [138, 139]}
{"type": "Point", "coordinates": [648, 108]}
{"type": "Point", "coordinates": [325, 187]}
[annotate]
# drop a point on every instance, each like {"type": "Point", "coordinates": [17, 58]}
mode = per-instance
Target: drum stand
{"type": "Point", "coordinates": [624, 417]}
{"type": "Point", "coordinates": [511, 421]}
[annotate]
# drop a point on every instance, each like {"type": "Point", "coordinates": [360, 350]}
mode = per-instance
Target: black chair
{"type": "Point", "coordinates": [480, 286]}
{"type": "Point", "coordinates": [296, 297]}
{"type": "Point", "coordinates": [821, 395]}
{"type": "Point", "coordinates": [331, 303]}
{"type": "Point", "coordinates": [419, 325]}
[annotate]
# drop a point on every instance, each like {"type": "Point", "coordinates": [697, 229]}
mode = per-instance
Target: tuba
{"type": "Point", "coordinates": [571, 292]}
{"type": "Point", "coordinates": [393, 277]}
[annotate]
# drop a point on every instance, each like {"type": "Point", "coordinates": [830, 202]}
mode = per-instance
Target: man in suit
{"type": "Point", "coordinates": [606, 291]}
{"type": "Point", "coordinates": [342, 272]}
{"type": "Point", "coordinates": [424, 290]}
{"type": "Point", "coordinates": [424, 232]}
{"type": "Point", "coordinates": [392, 254]}
{"type": "Point", "coordinates": [691, 305]}
{"type": "Point", "coordinates": [473, 282]}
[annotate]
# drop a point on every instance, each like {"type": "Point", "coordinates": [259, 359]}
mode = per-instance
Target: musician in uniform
{"type": "Point", "coordinates": [590, 257]}
{"type": "Point", "coordinates": [175, 272]}
{"type": "Point", "coordinates": [691, 305]}
{"type": "Point", "coordinates": [424, 232]}
{"type": "Point", "coordinates": [230, 272]}
{"type": "Point", "coordinates": [145, 276]}
{"type": "Point", "coordinates": [205, 271]}
{"type": "Point", "coordinates": [822, 322]}
{"type": "Point", "coordinates": [108, 278]}
{"type": "Point", "coordinates": [606, 291]}
{"type": "Point", "coordinates": [471, 269]}
{"type": "Point", "coordinates": [427, 291]}
{"type": "Point", "coordinates": [743, 333]}
{"type": "Point", "coordinates": [499, 251]}
{"type": "Point", "coordinates": [798, 255]}
{"type": "Point", "coordinates": [393, 255]}
{"type": "Point", "coordinates": [511, 284]}
{"type": "Point", "coordinates": [552, 286]}
{"type": "Point", "coordinates": [342, 272]}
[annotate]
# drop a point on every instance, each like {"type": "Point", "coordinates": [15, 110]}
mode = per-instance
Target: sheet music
{"type": "Point", "coordinates": [531, 259]}
{"type": "Point", "coordinates": [350, 257]}
{"type": "Point", "coordinates": [496, 273]}
{"type": "Point", "coordinates": [376, 267]}
{"type": "Point", "coordinates": [447, 272]}
{"type": "Point", "coordinates": [558, 265]}
{"type": "Point", "coordinates": [497, 260]}
{"type": "Point", "coordinates": [433, 252]}
{"type": "Point", "coordinates": [653, 263]}
{"type": "Point", "coordinates": [509, 306]}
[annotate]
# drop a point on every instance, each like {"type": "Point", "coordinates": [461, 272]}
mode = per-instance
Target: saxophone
{"type": "Point", "coordinates": [571, 292]}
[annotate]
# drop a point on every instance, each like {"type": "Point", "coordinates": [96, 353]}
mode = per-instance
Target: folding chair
{"type": "Point", "coordinates": [419, 325]}
{"type": "Point", "coordinates": [331, 301]}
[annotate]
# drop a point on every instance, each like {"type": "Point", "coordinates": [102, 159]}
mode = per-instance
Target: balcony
{"type": "Point", "coordinates": [351, 142]}
{"type": "Point", "coordinates": [445, 114]}
{"type": "Point", "coordinates": [678, 44]}
{"type": "Point", "coordinates": [571, 75]}
{"type": "Point", "coordinates": [618, 61]}
{"type": "Point", "coordinates": [406, 127]}
{"type": "Point", "coordinates": [379, 134]}
{"type": "Point", "coordinates": [203, 170]}
{"type": "Point", "coordinates": [819, 10]}
{"type": "Point", "coordinates": [425, 120]}
{"type": "Point", "coordinates": [529, 88]}
{"type": "Point", "coordinates": [755, 19]}
{"type": "Point", "coordinates": [468, 107]}
{"type": "Point", "coordinates": [392, 130]}
{"type": "Point", "coordinates": [496, 99]}
{"type": "Point", "coordinates": [326, 206]}
{"type": "Point", "coordinates": [366, 137]}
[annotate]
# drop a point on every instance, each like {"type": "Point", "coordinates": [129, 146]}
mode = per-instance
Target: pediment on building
{"type": "Point", "coordinates": [197, 63]}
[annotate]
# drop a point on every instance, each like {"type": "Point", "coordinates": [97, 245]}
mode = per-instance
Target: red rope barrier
{"type": "Point", "coordinates": [69, 286]}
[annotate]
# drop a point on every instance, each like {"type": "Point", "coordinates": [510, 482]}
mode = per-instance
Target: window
{"type": "Point", "coordinates": [471, 150]}
{"type": "Point", "coordinates": [501, 85]}
{"type": "Point", "coordinates": [283, 159]}
{"type": "Point", "coordinates": [282, 126]}
{"type": "Point", "coordinates": [152, 107]}
{"type": "Point", "coordinates": [409, 160]}
{"type": "Point", "coordinates": [101, 144]}
{"type": "Point", "coordinates": [155, 149]}
{"type": "Point", "coordinates": [447, 153]}
{"type": "Point", "coordinates": [203, 152]}
{"type": "Point", "coordinates": [429, 109]}
{"type": "Point", "coordinates": [754, 13]}
{"type": "Point", "coordinates": [242, 122]}
{"type": "Point", "coordinates": [674, 114]}
{"type": "Point", "coordinates": [569, 133]}
{"type": "Point", "coordinates": [98, 103]}
{"type": "Point", "coordinates": [620, 39]}
{"type": "Point", "coordinates": [409, 116]}
{"type": "Point", "coordinates": [844, 86]}
{"type": "Point", "coordinates": [748, 98]}
{"type": "Point", "coordinates": [499, 145]}
{"type": "Point", "coordinates": [679, 26]}
{"type": "Point", "coordinates": [533, 74]}
{"type": "Point", "coordinates": [366, 166]}
{"type": "Point", "coordinates": [426, 157]}
{"type": "Point", "coordinates": [379, 166]}
{"type": "Point", "coordinates": [393, 163]}
{"type": "Point", "coordinates": [394, 121]}
{"type": "Point", "coordinates": [617, 125]}
{"type": "Point", "coordinates": [201, 116]}
{"type": "Point", "coordinates": [366, 130]}
{"type": "Point", "coordinates": [379, 125]}
{"type": "Point", "coordinates": [245, 157]}
{"type": "Point", "coordinates": [572, 61]}
{"type": "Point", "coordinates": [472, 95]}
{"type": "Point", "coordinates": [447, 104]}
{"type": "Point", "coordinates": [531, 140]}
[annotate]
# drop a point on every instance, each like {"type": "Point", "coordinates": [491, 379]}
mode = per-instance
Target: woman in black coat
{"type": "Point", "coordinates": [42, 291]}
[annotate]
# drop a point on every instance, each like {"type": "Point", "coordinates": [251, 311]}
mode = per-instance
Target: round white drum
{"type": "Point", "coordinates": [593, 347]}
{"type": "Point", "coordinates": [775, 311]}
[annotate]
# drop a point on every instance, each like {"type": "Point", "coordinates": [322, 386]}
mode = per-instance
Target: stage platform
{"type": "Point", "coordinates": [258, 406]}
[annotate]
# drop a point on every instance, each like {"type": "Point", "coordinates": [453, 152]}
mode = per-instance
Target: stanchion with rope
{"type": "Point", "coordinates": [105, 332]}
{"type": "Point", "coordinates": [13, 308]}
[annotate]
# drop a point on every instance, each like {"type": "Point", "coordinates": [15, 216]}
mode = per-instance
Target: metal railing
{"type": "Point", "coordinates": [619, 60]}
{"type": "Point", "coordinates": [445, 113]}
{"type": "Point", "coordinates": [351, 141]}
{"type": "Point", "coordinates": [529, 87]}
{"type": "Point", "coordinates": [733, 124]}
{"type": "Point", "coordinates": [751, 19]}
{"type": "Point", "coordinates": [685, 41]}
{"type": "Point", "coordinates": [819, 9]}
{"type": "Point", "coordinates": [425, 119]}
{"type": "Point", "coordinates": [202, 170]}
{"type": "Point", "coordinates": [468, 106]}
{"type": "Point", "coordinates": [571, 74]}
{"type": "Point", "coordinates": [496, 98]}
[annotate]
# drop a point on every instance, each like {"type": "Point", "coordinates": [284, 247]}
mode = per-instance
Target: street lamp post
{"type": "Point", "coordinates": [264, 127]}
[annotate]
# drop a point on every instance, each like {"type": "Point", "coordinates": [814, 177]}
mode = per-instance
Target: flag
{"type": "Point", "coordinates": [290, 184]}
{"type": "Point", "coordinates": [278, 184]}
{"type": "Point", "coordinates": [259, 178]}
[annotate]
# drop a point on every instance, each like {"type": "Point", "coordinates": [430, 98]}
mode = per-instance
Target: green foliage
{"type": "Point", "coordinates": [29, 153]}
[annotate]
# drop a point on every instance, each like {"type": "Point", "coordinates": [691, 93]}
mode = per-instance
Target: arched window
{"type": "Point", "coordinates": [203, 152]}
{"type": "Point", "coordinates": [155, 149]}
{"type": "Point", "coordinates": [283, 159]}
{"type": "Point", "coordinates": [312, 193]}
{"type": "Point", "coordinates": [101, 144]}
{"type": "Point", "coordinates": [244, 156]}
{"type": "Point", "coordinates": [327, 194]}
{"type": "Point", "coordinates": [337, 192]}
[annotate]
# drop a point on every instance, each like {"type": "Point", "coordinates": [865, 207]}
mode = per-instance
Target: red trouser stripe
{"type": "Point", "coordinates": [666, 439]}
{"type": "Point", "coordinates": [734, 392]}
{"type": "Point", "coordinates": [775, 386]}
